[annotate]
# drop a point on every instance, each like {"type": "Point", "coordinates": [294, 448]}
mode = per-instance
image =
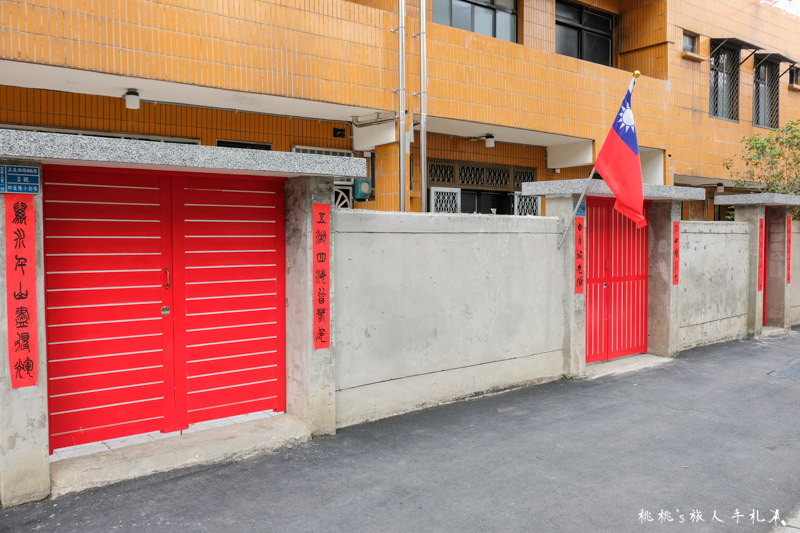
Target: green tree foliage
{"type": "Point", "coordinates": [770, 161]}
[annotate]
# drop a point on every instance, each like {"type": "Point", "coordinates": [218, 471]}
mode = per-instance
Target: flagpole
{"type": "Point", "coordinates": [575, 211]}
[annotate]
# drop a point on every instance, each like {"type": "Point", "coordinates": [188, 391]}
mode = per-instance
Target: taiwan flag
{"type": "Point", "coordinates": [619, 165]}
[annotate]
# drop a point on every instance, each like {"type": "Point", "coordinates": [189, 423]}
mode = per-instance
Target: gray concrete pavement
{"type": "Point", "coordinates": [711, 431]}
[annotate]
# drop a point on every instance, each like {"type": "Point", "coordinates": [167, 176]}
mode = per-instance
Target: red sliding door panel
{"type": "Point", "coordinates": [107, 242]}
{"type": "Point", "coordinates": [231, 279]}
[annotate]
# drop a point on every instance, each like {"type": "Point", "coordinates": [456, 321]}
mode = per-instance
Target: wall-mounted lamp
{"type": "Point", "coordinates": [131, 99]}
{"type": "Point", "coordinates": [720, 187]}
{"type": "Point", "coordinates": [488, 140]}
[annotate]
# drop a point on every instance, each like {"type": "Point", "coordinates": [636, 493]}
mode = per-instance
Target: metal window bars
{"type": "Point", "coordinates": [445, 200]}
{"type": "Point", "coordinates": [766, 92]}
{"type": "Point", "coordinates": [724, 83]}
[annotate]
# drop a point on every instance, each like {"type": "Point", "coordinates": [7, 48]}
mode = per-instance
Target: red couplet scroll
{"type": "Point", "coordinates": [23, 347]}
{"type": "Point", "coordinates": [580, 273]}
{"type": "Point", "coordinates": [321, 248]}
{"type": "Point", "coordinates": [676, 252]}
{"type": "Point", "coordinates": [760, 255]}
{"type": "Point", "coordinates": [789, 250]}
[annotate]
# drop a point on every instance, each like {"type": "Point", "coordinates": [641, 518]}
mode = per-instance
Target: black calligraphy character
{"type": "Point", "coordinates": [675, 253]}
{"type": "Point", "coordinates": [579, 282]}
{"type": "Point", "coordinates": [23, 342]}
{"type": "Point", "coordinates": [580, 226]}
{"type": "Point", "coordinates": [321, 257]}
{"type": "Point", "coordinates": [22, 316]}
{"type": "Point", "coordinates": [321, 314]}
{"type": "Point", "coordinates": [21, 295]}
{"type": "Point", "coordinates": [321, 294]}
{"type": "Point", "coordinates": [579, 255]}
{"type": "Point", "coordinates": [321, 236]}
{"type": "Point", "coordinates": [321, 218]}
{"type": "Point", "coordinates": [19, 213]}
{"type": "Point", "coordinates": [19, 238]}
{"type": "Point", "coordinates": [320, 335]}
{"type": "Point", "coordinates": [579, 269]}
{"type": "Point", "coordinates": [22, 262]}
{"type": "Point", "coordinates": [319, 276]}
{"type": "Point", "coordinates": [24, 366]}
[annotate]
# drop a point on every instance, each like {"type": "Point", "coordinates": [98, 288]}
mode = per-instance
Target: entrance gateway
{"type": "Point", "coordinates": [616, 283]}
{"type": "Point", "coordinates": [164, 299]}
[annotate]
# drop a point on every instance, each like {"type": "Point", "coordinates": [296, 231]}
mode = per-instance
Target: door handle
{"type": "Point", "coordinates": [167, 271]}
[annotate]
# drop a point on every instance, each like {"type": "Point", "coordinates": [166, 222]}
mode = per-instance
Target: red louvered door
{"type": "Point", "coordinates": [163, 300]}
{"type": "Point", "coordinates": [616, 283]}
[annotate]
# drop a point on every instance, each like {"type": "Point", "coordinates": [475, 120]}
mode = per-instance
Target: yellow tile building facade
{"type": "Point", "coordinates": [324, 75]}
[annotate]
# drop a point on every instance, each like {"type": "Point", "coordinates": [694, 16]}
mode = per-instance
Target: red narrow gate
{"type": "Point", "coordinates": [164, 300]}
{"type": "Point", "coordinates": [616, 283]}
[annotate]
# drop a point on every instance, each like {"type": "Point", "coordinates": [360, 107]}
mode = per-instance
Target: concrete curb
{"type": "Point", "coordinates": [230, 443]}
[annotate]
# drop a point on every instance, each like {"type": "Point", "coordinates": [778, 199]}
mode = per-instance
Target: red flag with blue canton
{"type": "Point", "coordinates": [619, 165]}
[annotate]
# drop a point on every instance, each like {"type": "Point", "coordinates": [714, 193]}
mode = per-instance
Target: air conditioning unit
{"type": "Point", "coordinates": [362, 189]}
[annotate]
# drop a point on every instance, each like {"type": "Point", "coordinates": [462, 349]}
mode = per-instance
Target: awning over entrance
{"type": "Point", "coordinates": [64, 148]}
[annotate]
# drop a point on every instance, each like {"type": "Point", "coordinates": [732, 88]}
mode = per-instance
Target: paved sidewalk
{"type": "Point", "coordinates": [709, 432]}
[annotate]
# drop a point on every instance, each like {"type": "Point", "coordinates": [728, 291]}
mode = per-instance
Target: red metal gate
{"type": "Point", "coordinates": [616, 283]}
{"type": "Point", "coordinates": [164, 299]}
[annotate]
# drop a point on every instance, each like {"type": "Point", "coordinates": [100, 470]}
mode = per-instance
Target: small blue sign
{"type": "Point", "coordinates": [581, 210]}
{"type": "Point", "coordinates": [21, 179]}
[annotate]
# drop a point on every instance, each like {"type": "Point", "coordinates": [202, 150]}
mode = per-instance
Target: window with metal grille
{"type": "Point", "coordinates": [584, 33]}
{"type": "Point", "coordinates": [724, 83]}
{"type": "Point", "coordinates": [495, 18]}
{"type": "Point", "coordinates": [765, 94]}
{"type": "Point", "coordinates": [794, 76]}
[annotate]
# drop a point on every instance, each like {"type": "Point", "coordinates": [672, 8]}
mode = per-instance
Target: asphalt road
{"type": "Point", "coordinates": [710, 432]}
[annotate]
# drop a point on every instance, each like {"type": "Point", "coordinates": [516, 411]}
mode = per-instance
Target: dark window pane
{"type": "Point", "coordinates": [566, 41]}
{"type": "Point", "coordinates": [484, 20]}
{"type": "Point", "coordinates": [689, 43]}
{"type": "Point", "coordinates": [568, 12]}
{"type": "Point", "coordinates": [506, 26]}
{"type": "Point", "coordinates": [462, 15]}
{"type": "Point", "coordinates": [596, 21]}
{"type": "Point", "coordinates": [469, 201]}
{"type": "Point", "coordinates": [441, 12]}
{"type": "Point", "coordinates": [488, 201]}
{"type": "Point", "coordinates": [597, 48]}
{"type": "Point", "coordinates": [508, 4]}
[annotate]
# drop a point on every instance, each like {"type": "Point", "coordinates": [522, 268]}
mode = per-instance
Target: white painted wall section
{"type": "Point", "coordinates": [570, 154]}
{"type": "Point", "coordinates": [434, 307]}
{"type": "Point", "coordinates": [714, 277]}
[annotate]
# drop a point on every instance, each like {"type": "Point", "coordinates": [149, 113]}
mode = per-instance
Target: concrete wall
{"type": "Point", "coordinates": [430, 308]}
{"type": "Point", "coordinates": [794, 288]}
{"type": "Point", "coordinates": [714, 280]}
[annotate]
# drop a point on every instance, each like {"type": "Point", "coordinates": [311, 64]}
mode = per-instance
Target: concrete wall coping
{"type": "Point", "coordinates": [86, 149]}
{"type": "Point", "coordinates": [599, 188]}
{"type": "Point", "coordinates": [757, 199]}
{"type": "Point", "coordinates": [714, 227]}
{"type": "Point", "coordinates": [365, 221]}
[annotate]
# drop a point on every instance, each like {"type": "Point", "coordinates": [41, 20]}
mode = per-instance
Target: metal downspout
{"type": "Point", "coordinates": [401, 33]}
{"type": "Point", "coordinates": [423, 119]}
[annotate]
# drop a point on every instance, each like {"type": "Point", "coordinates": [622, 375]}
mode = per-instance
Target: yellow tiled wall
{"type": "Point", "coordinates": [345, 52]}
{"type": "Point", "coordinates": [697, 143]}
{"type": "Point", "coordinates": [329, 50]}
